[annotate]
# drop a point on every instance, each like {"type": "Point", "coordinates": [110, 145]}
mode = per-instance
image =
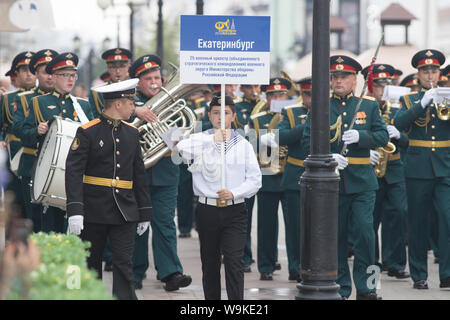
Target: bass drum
{"type": "Point", "coordinates": [48, 184]}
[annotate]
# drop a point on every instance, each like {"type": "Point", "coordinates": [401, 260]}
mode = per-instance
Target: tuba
{"type": "Point", "coordinates": [171, 111]}
{"type": "Point", "coordinates": [381, 166]}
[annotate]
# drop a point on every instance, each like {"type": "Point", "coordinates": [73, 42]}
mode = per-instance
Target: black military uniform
{"type": "Point", "coordinates": [105, 183]}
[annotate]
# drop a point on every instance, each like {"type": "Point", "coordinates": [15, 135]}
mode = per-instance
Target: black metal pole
{"type": "Point", "coordinates": [131, 28]}
{"type": "Point", "coordinates": [320, 182]}
{"type": "Point", "coordinates": [159, 49]}
{"type": "Point", "coordinates": [199, 6]}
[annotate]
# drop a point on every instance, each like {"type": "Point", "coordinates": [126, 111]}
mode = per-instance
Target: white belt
{"type": "Point", "coordinates": [218, 203]}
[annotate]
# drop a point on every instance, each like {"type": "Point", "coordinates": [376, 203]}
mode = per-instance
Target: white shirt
{"type": "Point", "coordinates": [242, 174]}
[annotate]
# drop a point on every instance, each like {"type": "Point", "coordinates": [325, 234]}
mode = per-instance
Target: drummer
{"type": "Point", "coordinates": [57, 102]}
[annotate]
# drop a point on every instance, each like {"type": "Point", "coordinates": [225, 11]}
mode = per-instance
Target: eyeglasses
{"type": "Point", "coordinates": [66, 76]}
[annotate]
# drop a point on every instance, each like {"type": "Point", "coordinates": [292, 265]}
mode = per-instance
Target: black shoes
{"type": "Point", "coordinates": [184, 235]}
{"type": "Point", "coordinates": [399, 274]}
{"type": "Point", "coordinates": [266, 276]}
{"type": "Point", "coordinates": [247, 268]}
{"type": "Point", "coordinates": [294, 276]}
{"type": "Point", "coordinates": [176, 281]}
{"type": "Point", "coordinates": [138, 285]}
{"type": "Point", "coordinates": [108, 267]}
{"type": "Point", "coordinates": [420, 284]}
{"type": "Point", "coordinates": [445, 283]}
{"type": "Point", "coordinates": [368, 296]}
{"type": "Point", "coordinates": [277, 266]}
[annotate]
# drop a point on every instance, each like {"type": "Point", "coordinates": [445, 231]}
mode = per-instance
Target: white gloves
{"type": "Point", "coordinates": [393, 132]}
{"type": "Point", "coordinates": [427, 97]}
{"type": "Point", "coordinates": [350, 136]}
{"type": "Point", "coordinates": [341, 160]}
{"type": "Point", "coordinates": [268, 139]}
{"type": "Point", "coordinates": [142, 227]}
{"type": "Point", "coordinates": [374, 157]}
{"type": "Point", "coordinates": [76, 224]}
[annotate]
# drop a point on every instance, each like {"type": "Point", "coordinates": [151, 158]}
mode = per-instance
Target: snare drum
{"type": "Point", "coordinates": [48, 184]}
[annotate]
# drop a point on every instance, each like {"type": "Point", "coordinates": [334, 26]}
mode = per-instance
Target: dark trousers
{"type": "Point", "coordinates": [222, 230]}
{"type": "Point", "coordinates": [248, 256]}
{"type": "Point", "coordinates": [425, 195]}
{"type": "Point", "coordinates": [33, 210]}
{"type": "Point", "coordinates": [389, 212]}
{"type": "Point", "coordinates": [53, 219]}
{"type": "Point", "coordinates": [121, 238]}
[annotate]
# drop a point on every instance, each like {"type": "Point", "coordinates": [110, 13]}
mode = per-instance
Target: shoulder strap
{"type": "Point", "coordinates": [97, 101]}
{"type": "Point", "coordinates": [37, 111]}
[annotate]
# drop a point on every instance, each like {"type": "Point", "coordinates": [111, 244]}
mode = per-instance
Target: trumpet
{"type": "Point", "coordinates": [441, 108]}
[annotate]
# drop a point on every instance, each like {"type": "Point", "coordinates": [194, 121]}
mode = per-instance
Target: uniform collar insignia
{"type": "Point", "coordinates": [56, 94]}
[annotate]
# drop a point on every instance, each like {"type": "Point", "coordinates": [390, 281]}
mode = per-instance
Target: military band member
{"type": "Point", "coordinates": [252, 94]}
{"type": "Point", "coordinates": [293, 119]}
{"type": "Point", "coordinates": [390, 200]}
{"type": "Point", "coordinates": [443, 79]}
{"type": "Point", "coordinates": [427, 168]}
{"type": "Point", "coordinates": [446, 72]}
{"type": "Point", "coordinates": [105, 77]}
{"type": "Point", "coordinates": [271, 193]}
{"type": "Point", "coordinates": [410, 81]}
{"type": "Point", "coordinates": [37, 66]}
{"type": "Point", "coordinates": [106, 187]}
{"type": "Point", "coordinates": [221, 214]}
{"type": "Point", "coordinates": [162, 179]}
{"type": "Point", "coordinates": [358, 182]}
{"type": "Point", "coordinates": [25, 80]}
{"type": "Point", "coordinates": [58, 102]}
{"type": "Point", "coordinates": [117, 65]}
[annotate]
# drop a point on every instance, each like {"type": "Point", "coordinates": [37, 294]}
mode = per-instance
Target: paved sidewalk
{"type": "Point", "coordinates": [278, 289]}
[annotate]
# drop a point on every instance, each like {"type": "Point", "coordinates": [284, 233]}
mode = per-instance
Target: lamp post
{"type": "Point", "coordinates": [159, 48]}
{"type": "Point", "coordinates": [199, 4]}
{"type": "Point", "coordinates": [319, 184]}
{"type": "Point", "coordinates": [76, 44]}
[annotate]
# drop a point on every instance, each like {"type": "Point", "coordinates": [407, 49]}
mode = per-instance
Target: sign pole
{"type": "Point", "coordinates": [222, 126]}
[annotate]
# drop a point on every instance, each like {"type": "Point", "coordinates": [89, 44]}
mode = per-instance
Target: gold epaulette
{"type": "Point", "coordinates": [259, 114]}
{"type": "Point", "coordinates": [410, 93]}
{"type": "Point", "coordinates": [237, 100]}
{"type": "Point", "coordinates": [297, 105]}
{"type": "Point", "coordinates": [129, 124]}
{"type": "Point", "coordinates": [84, 99]}
{"type": "Point", "coordinates": [25, 93]}
{"type": "Point", "coordinates": [369, 98]}
{"type": "Point", "coordinates": [91, 123]}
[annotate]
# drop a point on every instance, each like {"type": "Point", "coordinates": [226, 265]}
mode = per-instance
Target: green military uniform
{"type": "Point", "coordinates": [390, 201]}
{"type": "Point", "coordinates": [290, 134]}
{"type": "Point", "coordinates": [358, 182]}
{"type": "Point", "coordinates": [162, 179]}
{"type": "Point", "coordinates": [270, 194]}
{"type": "Point", "coordinates": [24, 105]}
{"type": "Point", "coordinates": [427, 174]}
{"type": "Point", "coordinates": [390, 206]}
{"type": "Point", "coordinates": [44, 108]}
{"type": "Point", "coordinates": [9, 108]}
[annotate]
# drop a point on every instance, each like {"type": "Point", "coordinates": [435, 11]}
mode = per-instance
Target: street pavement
{"type": "Point", "coordinates": [280, 288]}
